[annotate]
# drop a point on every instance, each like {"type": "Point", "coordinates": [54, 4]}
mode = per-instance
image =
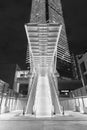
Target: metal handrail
{"type": "Point", "coordinates": [55, 90]}
{"type": "Point", "coordinates": [30, 91]}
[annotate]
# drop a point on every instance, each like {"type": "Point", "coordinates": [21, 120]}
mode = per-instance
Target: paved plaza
{"type": "Point", "coordinates": [16, 121]}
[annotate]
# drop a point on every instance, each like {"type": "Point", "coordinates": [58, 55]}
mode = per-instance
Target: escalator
{"type": "Point", "coordinates": [43, 99]}
{"type": "Point", "coordinates": [43, 103]}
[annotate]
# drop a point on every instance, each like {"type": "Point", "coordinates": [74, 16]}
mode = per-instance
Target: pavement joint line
{"type": "Point", "coordinates": [67, 117]}
{"type": "Point", "coordinates": [47, 120]}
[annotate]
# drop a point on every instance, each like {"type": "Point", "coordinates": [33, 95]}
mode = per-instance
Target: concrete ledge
{"type": "Point", "coordinates": [85, 110]}
{"type": "Point", "coordinates": [77, 109]}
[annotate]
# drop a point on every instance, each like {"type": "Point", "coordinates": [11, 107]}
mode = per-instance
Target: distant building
{"type": "Point", "coordinates": [21, 82]}
{"type": "Point", "coordinates": [4, 88]}
{"type": "Point", "coordinates": [82, 66]}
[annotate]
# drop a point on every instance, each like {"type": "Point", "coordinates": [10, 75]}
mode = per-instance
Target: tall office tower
{"type": "Point", "coordinates": [46, 41]}
{"type": "Point", "coordinates": [50, 11]}
{"type": "Point", "coordinates": [56, 16]}
{"type": "Point", "coordinates": [38, 11]}
{"type": "Point", "coordinates": [64, 64]}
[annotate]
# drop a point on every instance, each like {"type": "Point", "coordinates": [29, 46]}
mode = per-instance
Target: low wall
{"type": "Point", "coordinates": [72, 104]}
{"type": "Point", "coordinates": [67, 103]}
{"type": "Point", "coordinates": [21, 104]}
{"type": "Point", "coordinates": [75, 104]}
{"type": "Point", "coordinates": [8, 104]}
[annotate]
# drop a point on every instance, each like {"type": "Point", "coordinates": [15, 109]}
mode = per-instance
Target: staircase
{"type": "Point", "coordinates": [43, 103]}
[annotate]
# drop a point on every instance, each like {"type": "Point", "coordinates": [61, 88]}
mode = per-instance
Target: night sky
{"type": "Point", "coordinates": [13, 41]}
{"type": "Point", "coordinates": [75, 16]}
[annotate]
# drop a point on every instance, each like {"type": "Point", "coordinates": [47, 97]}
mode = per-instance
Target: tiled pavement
{"type": "Point", "coordinates": [69, 115]}
{"type": "Point", "coordinates": [17, 121]}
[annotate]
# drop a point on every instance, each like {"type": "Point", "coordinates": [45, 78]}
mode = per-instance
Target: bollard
{"type": "Point", "coordinates": [24, 111]}
{"type": "Point", "coordinates": [63, 110]}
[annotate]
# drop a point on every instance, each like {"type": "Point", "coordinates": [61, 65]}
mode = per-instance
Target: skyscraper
{"type": "Point", "coordinates": [56, 16]}
{"type": "Point", "coordinates": [50, 11]}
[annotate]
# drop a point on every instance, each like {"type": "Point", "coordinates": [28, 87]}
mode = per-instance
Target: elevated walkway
{"type": "Point", "coordinates": [43, 42]}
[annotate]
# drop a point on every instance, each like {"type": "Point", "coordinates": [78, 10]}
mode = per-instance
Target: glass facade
{"type": "Point", "coordinates": [50, 11]}
{"type": "Point", "coordinates": [56, 16]}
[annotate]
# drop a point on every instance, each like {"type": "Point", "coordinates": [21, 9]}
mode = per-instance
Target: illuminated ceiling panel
{"type": "Point", "coordinates": [45, 47]}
